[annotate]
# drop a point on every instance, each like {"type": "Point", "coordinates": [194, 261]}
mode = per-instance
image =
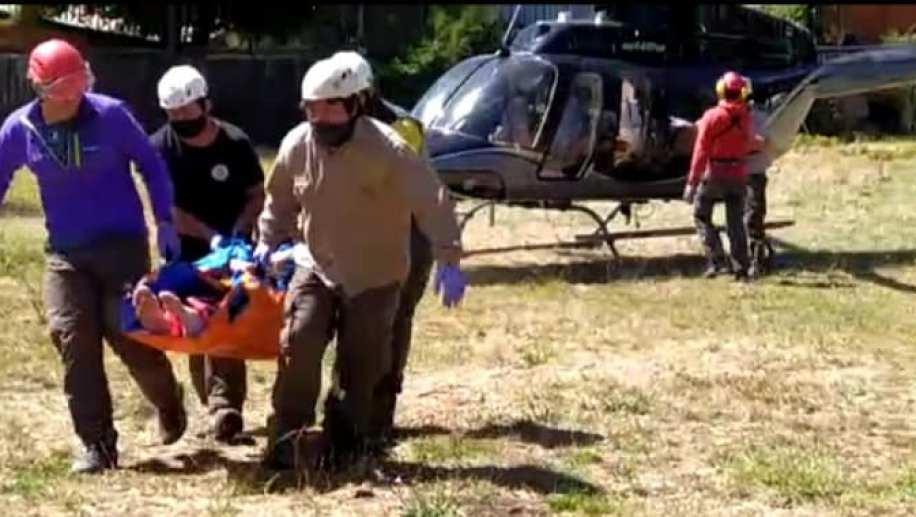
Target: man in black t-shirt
{"type": "Point", "coordinates": [219, 192]}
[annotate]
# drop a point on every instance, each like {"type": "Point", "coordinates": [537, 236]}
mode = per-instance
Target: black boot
{"type": "Point", "coordinates": [174, 421]}
{"type": "Point", "coordinates": [761, 258]}
{"type": "Point", "coordinates": [98, 456]}
{"type": "Point", "coordinates": [281, 456]}
{"type": "Point", "coordinates": [343, 445]}
{"type": "Point", "coordinates": [227, 424]}
{"type": "Point", "coordinates": [715, 268]}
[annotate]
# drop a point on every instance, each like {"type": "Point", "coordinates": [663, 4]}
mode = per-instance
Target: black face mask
{"type": "Point", "coordinates": [333, 135]}
{"type": "Point", "coordinates": [189, 128]}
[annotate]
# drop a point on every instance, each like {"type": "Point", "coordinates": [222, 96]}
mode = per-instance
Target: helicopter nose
{"type": "Point", "coordinates": [436, 143]}
{"type": "Point", "coordinates": [439, 143]}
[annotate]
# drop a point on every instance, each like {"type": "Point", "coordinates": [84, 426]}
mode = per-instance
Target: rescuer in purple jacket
{"type": "Point", "coordinates": [79, 146]}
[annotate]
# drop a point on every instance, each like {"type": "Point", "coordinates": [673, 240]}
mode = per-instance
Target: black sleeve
{"type": "Point", "coordinates": [158, 140]}
{"type": "Point", "coordinates": [252, 173]}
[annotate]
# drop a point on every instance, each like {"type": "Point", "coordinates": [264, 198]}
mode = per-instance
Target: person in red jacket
{"type": "Point", "coordinates": [718, 171]}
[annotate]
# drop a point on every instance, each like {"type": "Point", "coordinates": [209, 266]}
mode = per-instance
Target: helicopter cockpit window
{"type": "Point", "coordinates": [527, 39]}
{"type": "Point", "coordinates": [574, 142]}
{"type": "Point", "coordinates": [504, 102]}
{"type": "Point", "coordinates": [430, 105]}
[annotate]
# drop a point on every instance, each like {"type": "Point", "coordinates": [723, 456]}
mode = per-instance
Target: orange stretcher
{"type": "Point", "coordinates": [250, 332]}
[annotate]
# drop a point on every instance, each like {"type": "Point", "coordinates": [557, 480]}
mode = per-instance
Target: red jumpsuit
{"type": "Point", "coordinates": [724, 138]}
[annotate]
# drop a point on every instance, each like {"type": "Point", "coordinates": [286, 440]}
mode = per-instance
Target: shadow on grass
{"type": "Point", "coordinates": [790, 258]}
{"type": "Point", "coordinates": [527, 477]}
{"type": "Point", "coordinates": [858, 264]}
{"type": "Point", "coordinates": [200, 461]}
{"type": "Point", "coordinates": [523, 430]}
{"type": "Point", "coordinates": [250, 477]}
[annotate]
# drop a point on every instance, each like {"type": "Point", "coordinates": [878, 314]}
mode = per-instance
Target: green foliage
{"type": "Point", "coordinates": [796, 475]}
{"type": "Point", "coordinates": [895, 36]}
{"type": "Point", "coordinates": [580, 502]}
{"type": "Point", "coordinates": [455, 33]}
{"type": "Point", "coordinates": [38, 478]}
{"type": "Point", "coordinates": [249, 19]}
{"type": "Point", "coordinates": [798, 13]}
{"type": "Point", "coordinates": [432, 503]}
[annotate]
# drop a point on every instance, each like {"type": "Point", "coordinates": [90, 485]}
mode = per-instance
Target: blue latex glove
{"type": "Point", "coordinates": [168, 242]}
{"type": "Point", "coordinates": [451, 282]}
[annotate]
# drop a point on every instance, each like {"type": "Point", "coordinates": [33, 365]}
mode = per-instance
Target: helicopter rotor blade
{"type": "Point", "coordinates": [511, 26]}
{"type": "Point", "coordinates": [848, 75]}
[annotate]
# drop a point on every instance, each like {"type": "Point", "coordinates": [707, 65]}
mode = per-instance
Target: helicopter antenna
{"type": "Point", "coordinates": [504, 47]}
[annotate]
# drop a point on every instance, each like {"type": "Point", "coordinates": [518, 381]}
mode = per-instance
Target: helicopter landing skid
{"type": "Point", "coordinates": [599, 236]}
{"type": "Point", "coordinates": [465, 217]}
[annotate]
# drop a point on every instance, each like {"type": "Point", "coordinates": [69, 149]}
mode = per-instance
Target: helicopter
{"type": "Point", "coordinates": [570, 111]}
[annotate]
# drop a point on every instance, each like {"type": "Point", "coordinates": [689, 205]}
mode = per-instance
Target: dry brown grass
{"type": "Point", "coordinates": [566, 383]}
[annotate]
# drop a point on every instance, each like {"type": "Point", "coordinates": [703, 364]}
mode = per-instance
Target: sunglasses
{"type": "Point", "coordinates": [66, 86]}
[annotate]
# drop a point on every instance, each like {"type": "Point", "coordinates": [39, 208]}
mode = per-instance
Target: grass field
{"type": "Point", "coordinates": [566, 383]}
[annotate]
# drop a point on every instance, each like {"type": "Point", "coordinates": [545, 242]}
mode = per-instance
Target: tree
{"type": "Point", "coordinates": [456, 32]}
{"type": "Point", "coordinates": [802, 14]}
{"type": "Point", "coordinates": [197, 22]}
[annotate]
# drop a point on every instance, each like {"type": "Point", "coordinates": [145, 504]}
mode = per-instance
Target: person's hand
{"type": "Point", "coordinates": [167, 241]}
{"type": "Point", "coordinates": [690, 193]}
{"type": "Point", "coordinates": [451, 283]}
{"type": "Point", "coordinates": [262, 253]}
{"type": "Point", "coordinates": [217, 242]}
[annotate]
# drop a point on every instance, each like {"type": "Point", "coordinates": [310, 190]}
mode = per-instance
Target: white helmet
{"type": "Point", "coordinates": [330, 79]}
{"type": "Point", "coordinates": [180, 86]}
{"type": "Point", "coordinates": [359, 63]}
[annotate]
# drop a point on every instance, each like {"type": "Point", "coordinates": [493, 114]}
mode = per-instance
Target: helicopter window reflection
{"type": "Point", "coordinates": [575, 138]}
{"type": "Point", "coordinates": [504, 102]}
{"type": "Point", "coordinates": [430, 105]}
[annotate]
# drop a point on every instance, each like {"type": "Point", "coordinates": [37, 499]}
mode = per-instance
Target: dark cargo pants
{"type": "Point", "coordinates": [363, 325]}
{"type": "Point", "coordinates": [82, 293]}
{"type": "Point", "coordinates": [386, 393]}
{"type": "Point", "coordinates": [733, 193]}
{"type": "Point", "coordinates": [754, 215]}
{"type": "Point", "coordinates": [219, 382]}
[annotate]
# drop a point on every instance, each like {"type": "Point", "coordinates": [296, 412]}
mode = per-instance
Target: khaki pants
{"type": "Point", "coordinates": [82, 293]}
{"type": "Point", "coordinates": [363, 325]}
{"type": "Point", "coordinates": [386, 393]}
{"type": "Point", "coordinates": [733, 193]}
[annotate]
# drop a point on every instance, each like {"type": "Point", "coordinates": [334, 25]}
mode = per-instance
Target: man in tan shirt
{"type": "Point", "coordinates": [346, 186]}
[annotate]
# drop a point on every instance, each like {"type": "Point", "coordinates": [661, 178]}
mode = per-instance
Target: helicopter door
{"type": "Point", "coordinates": [573, 144]}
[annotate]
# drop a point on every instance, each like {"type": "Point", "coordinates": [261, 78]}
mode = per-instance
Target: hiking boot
{"type": "Point", "coordinates": [174, 421]}
{"type": "Point", "coordinates": [713, 270]}
{"type": "Point", "coordinates": [338, 453]}
{"type": "Point", "coordinates": [96, 457]}
{"type": "Point", "coordinates": [754, 272]}
{"type": "Point", "coordinates": [380, 447]}
{"type": "Point", "coordinates": [227, 424]}
{"type": "Point", "coordinates": [282, 456]}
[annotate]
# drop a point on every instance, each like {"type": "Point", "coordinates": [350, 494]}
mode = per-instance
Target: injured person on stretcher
{"type": "Point", "coordinates": [181, 298]}
{"type": "Point", "coordinates": [166, 314]}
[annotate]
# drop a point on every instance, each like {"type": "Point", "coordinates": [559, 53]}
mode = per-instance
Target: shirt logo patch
{"type": "Point", "coordinates": [219, 172]}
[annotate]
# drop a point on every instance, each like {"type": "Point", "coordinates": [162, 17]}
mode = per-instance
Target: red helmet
{"type": "Point", "coordinates": [735, 83]}
{"type": "Point", "coordinates": [58, 70]}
